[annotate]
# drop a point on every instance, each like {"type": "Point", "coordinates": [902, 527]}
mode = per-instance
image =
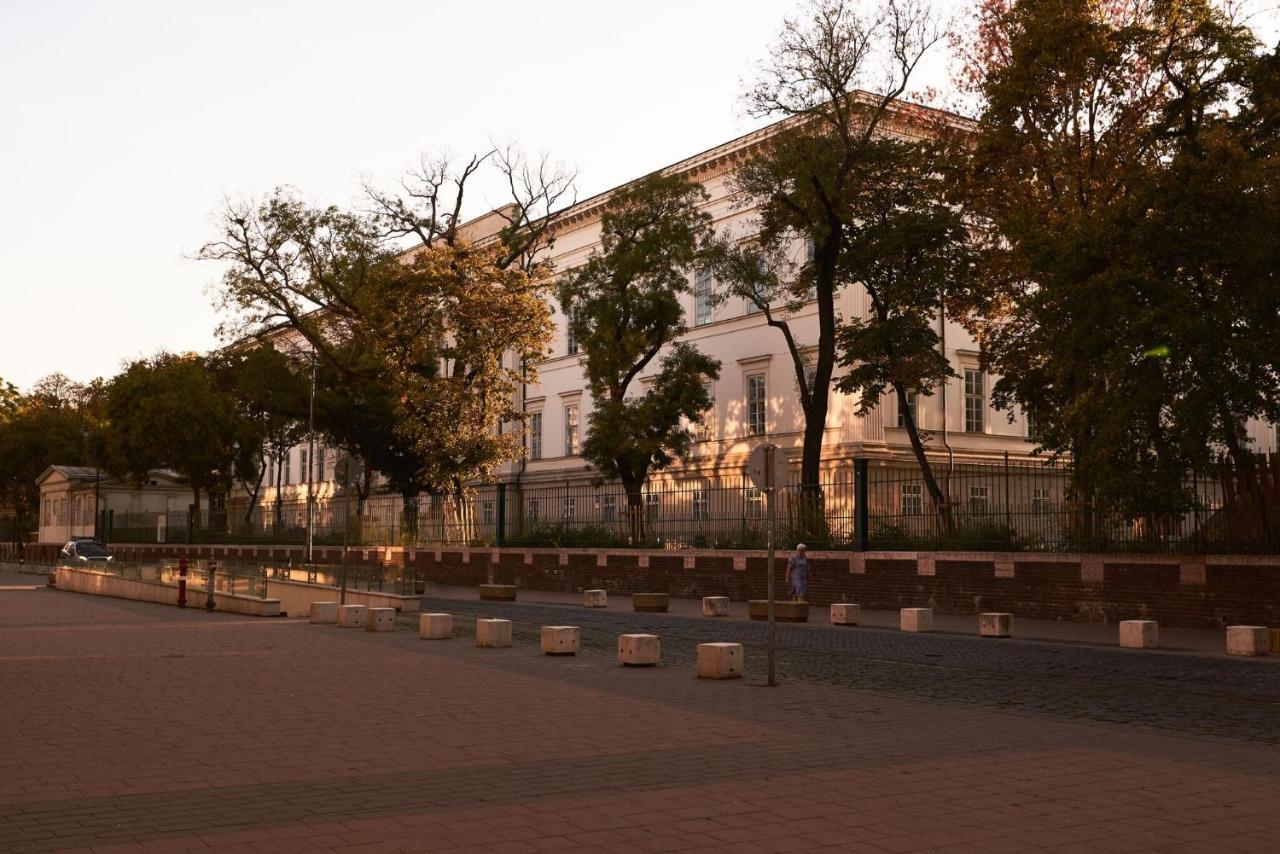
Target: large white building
{"type": "Point", "coordinates": [755, 396]}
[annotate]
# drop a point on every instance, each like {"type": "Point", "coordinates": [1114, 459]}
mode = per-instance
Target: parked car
{"type": "Point", "coordinates": [86, 550]}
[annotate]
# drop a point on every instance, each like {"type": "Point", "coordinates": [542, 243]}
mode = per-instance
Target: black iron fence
{"type": "Point", "coordinates": [1000, 506]}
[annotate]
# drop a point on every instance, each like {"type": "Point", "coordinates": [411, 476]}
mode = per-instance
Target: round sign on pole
{"type": "Point", "coordinates": [768, 468]}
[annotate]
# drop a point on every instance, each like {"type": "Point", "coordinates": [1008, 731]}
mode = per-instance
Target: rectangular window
{"type": "Point", "coordinates": [568, 507]}
{"type": "Point", "coordinates": [913, 406]}
{"type": "Point", "coordinates": [271, 471]}
{"type": "Point", "coordinates": [975, 402]}
{"type": "Point", "coordinates": [979, 500]}
{"type": "Point", "coordinates": [705, 428]}
{"type": "Point", "coordinates": [609, 508]}
{"type": "Point", "coordinates": [755, 405]}
{"type": "Point", "coordinates": [534, 506]}
{"type": "Point", "coordinates": [912, 500]}
{"type": "Point", "coordinates": [1032, 432]}
{"type": "Point", "coordinates": [703, 290]}
{"type": "Point", "coordinates": [753, 307]}
{"type": "Point", "coordinates": [571, 431]}
{"type": "Point", "coordinates": [810, 256]}
{"type": "Point", "coordinates": [571, 339]}
{"type": "Point", "coordinates": [535, 436]}
{"type": "Point", "coordinates": [754, 503]}
{"type": "Point", "coordinates": [486, 512]}
{"type": "Point", "coordinates": [653, 506]}
{"type": "Point", "coordinates": [304, 473]}
{"type": "Point", "coordinates": [701, 503]}
{"type": "Point", "coordinates": [288, 468]}
{"type": "Point", "coordinates": [1040, 503]}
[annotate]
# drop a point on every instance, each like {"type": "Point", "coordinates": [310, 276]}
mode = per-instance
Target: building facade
{"type": "Point", "coordinates": [755, 396]}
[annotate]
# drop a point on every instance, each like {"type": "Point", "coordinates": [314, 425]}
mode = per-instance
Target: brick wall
{"type": "Point", "coordinates": [1195, 592]}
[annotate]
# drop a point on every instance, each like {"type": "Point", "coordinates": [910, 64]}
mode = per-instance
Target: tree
{"type": "Point", "coordinates": [167, 412]}
{"type": "Point", "coordinates": [48, 426]}
{"type": "Point", "coordinates": [911, 256]}
{"type": "Point", "coordinates": [447, 326]}
{"type": "Point", "coordinates": [360, 415]}
{"type": "Point", "coordinates": [625, 310]}
{"type": "Point", "coordinates": [837, 79]}
{"type": "Point", "coordinates": [271, 397]}
{"type": "Point", "coordinates": [1127, 295]}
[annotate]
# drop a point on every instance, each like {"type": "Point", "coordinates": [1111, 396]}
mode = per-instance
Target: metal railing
{"type": "Point", "coordinates": [997, 506]}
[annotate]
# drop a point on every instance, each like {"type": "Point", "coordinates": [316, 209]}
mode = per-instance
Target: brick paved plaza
{"type": "Point", "coordinates": [136, 727]}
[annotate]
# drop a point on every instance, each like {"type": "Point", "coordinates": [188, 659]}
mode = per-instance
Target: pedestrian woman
{"type": "Point", "coordinates": [798, 574]}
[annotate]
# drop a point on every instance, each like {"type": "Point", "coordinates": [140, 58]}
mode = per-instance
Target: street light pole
{"type": "Point", "coordinates": [97, 478]}
{"type": "Point", "coordinates": [311, 453]}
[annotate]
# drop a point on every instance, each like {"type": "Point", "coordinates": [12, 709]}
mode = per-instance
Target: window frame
{"type": "Point", "coordinates": [762, 402]}
{"type": "Point", "coordinates": [975, 403]}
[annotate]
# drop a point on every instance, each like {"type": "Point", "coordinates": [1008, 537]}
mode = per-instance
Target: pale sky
{"type": "Point", "coordinates": [124, 125]}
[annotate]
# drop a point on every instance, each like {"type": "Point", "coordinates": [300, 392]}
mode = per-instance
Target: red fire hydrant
{"type": "Point", "coordinates": [182, 582]}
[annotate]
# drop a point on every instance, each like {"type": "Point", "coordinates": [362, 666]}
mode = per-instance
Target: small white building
{"type": "Point", "coordinates": [68, 495]}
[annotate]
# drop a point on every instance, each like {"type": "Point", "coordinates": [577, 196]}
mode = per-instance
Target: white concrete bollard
{"type": "Point", "coordinates": [435, 626]}
{"type": "Point", "coordinates": [561, 640]}
{"type": "Point", "coordinates": [495, 634]}
{"type": "Point", "coordinates": [1247, 640]}
{"type": "Point", "coordinates": [595, 598]}
{"type": "Point", "coordinates": [1139, 634]}
{"type": "Point", "coordinates": [720, 661]}
{"type": "Point", "coordinates": [380, 619]}
{"type": "Point", "coordinates": [324, 613]}
{"type": "Point", "coordinates": [995, 625]}
{"type": "Point", "coordinates": [845, 614]}
{"type": "Point", "coordinates": [715, 606]}
{"type": "Point", "coordinates": [352, 616]}
{"type": "Point", "coordinates": [639, 650]}
{"type": "Point", "coordinates": [916, 619]}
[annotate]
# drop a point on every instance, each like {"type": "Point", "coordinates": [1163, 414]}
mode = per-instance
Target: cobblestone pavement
{"type": "Point", "coordinates": [135, 727]}
{"type": "Point", "coordinates": [1187, 694]}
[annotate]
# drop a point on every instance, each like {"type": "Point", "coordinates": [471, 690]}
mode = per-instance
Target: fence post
{"type": "Point", "coordinates": [862, 513]}
{"type": "Point", "coordinates": [500, 535]}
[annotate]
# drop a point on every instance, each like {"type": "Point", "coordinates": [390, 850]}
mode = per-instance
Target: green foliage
{"type": "Point", "coordinates": [271, 399]}
{"type": "Point", "coordinates": [836, 75]}
{"type": "Point", "coordinates": [1124, 178]}
{"type": "Point", "coordinates": [53, 425]}
{"type": "Point", "coordinates": [625, 309]}
{"type": "Point", "coordinates": [168, 412]}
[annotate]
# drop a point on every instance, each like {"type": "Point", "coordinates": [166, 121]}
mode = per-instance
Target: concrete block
{"type": "Point", "coordinates": [639, 650]}
{"type": "Point", "coordinates": [654, 603]}
{"type": "Point", "coordinates": [720, 661]}
{"type": "Point", "coordinates": [380, 619]}
{"type": "Point", "coordinates": [995, 625]}
{"type": "Point", "coordinates": [1139, 634]}
{"type": "Point", "coordinates": [1248, 640]}
{"type": "Point", "coordinates": [495, 634]}
{"type": "Point", "coordinates": [595, 598]}
{"type": "Point", "coordinates": [783, 612]}
{"type": "Point", "coordinates": [435, 626]}
{"type": "Point", "coordinates": [845, 614]}
{"type": "Point", "coordinates": [561, 640]}
{"type": "Point", "coordinates": [916, 619]}
{"type": "Point", "coordinates": [352, 616]}
{"type": "Point", "coordinates": [498, 592]}
{"type": "Point", "coordinates": [324, 613]}
{"type": "Point", "coordinates": [715, 606]}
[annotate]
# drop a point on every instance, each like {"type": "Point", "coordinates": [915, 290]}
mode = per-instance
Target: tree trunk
{"type": "Point", "coordinates": [940, 500]}
{"type": "Point", "coordinates": [279, 512]}
{"type": "Point", "coordinates": [634, 487]}
{"type": "Point", "coordinates": [410, 519]}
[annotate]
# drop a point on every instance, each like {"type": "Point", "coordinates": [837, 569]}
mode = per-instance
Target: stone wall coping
{"type": "Point", "coordinates": [1110, 558]}
{"type": "Point", "coordinates": [191, 591]}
